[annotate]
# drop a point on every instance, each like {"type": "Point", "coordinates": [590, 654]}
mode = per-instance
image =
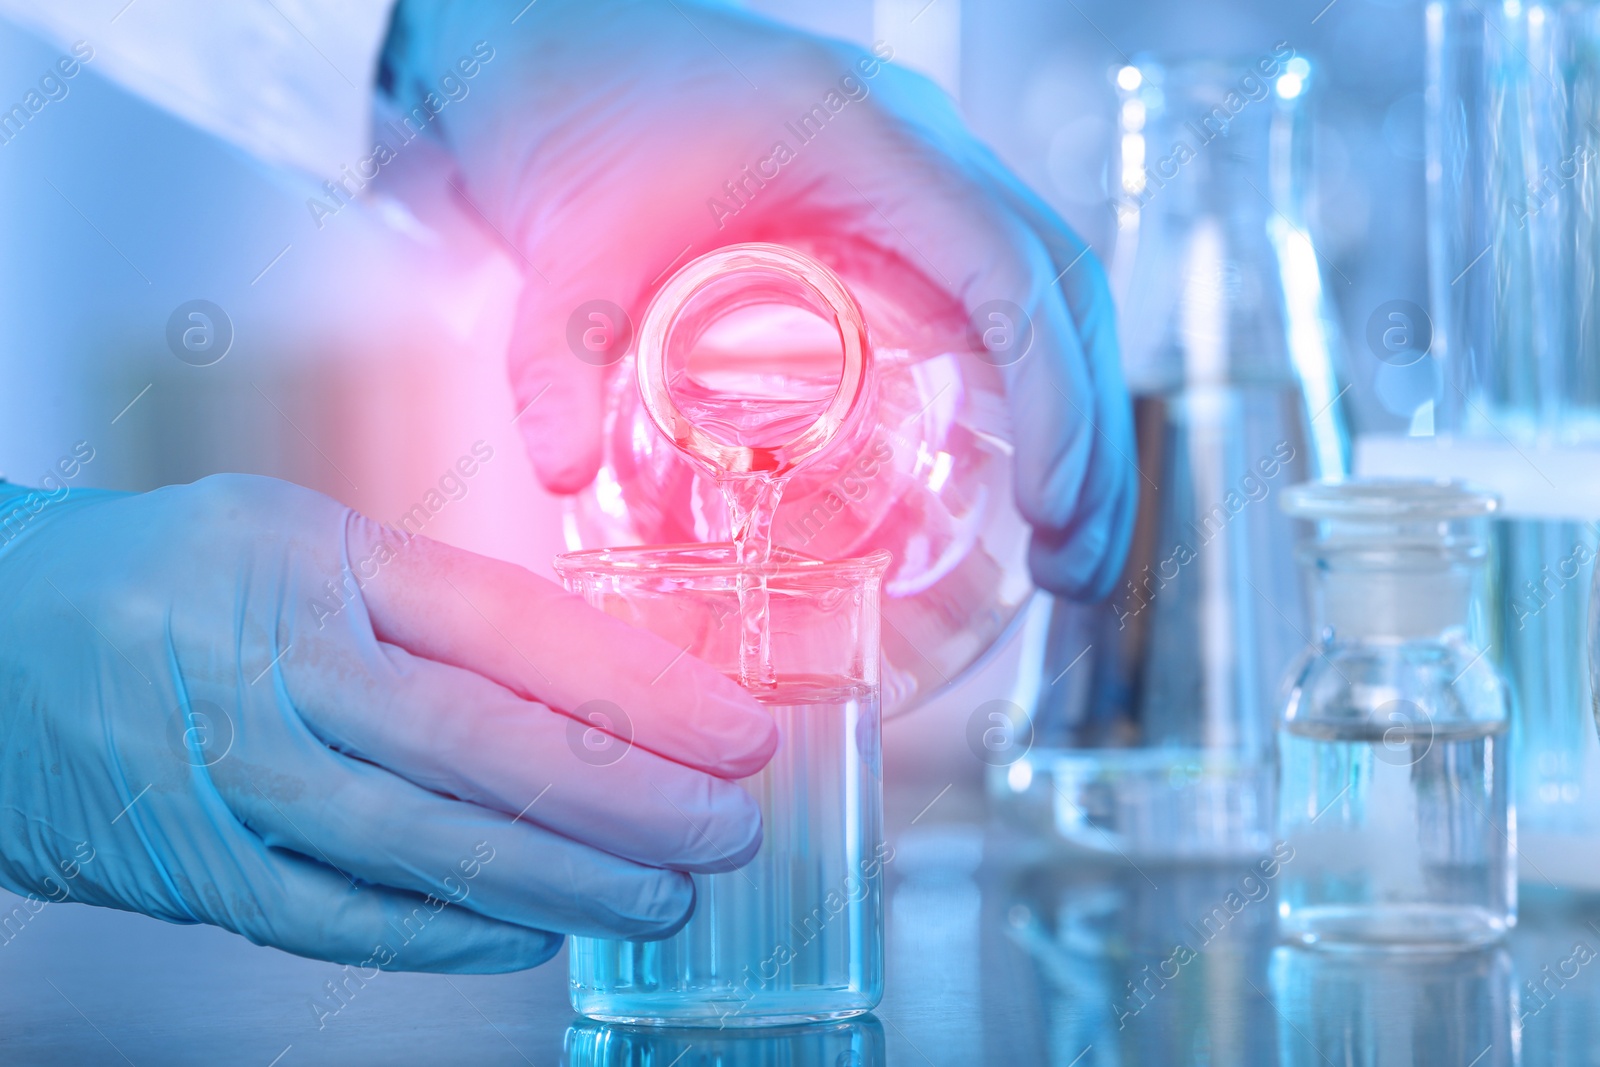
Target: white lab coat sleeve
{"type": "Point", "coordinates": [290, 81]}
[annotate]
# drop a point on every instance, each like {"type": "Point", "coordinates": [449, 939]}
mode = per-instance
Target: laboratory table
{"type": "Point", "coordinates": [1001, 950]}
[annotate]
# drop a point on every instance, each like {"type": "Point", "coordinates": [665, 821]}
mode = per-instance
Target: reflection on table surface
{"type": "Point", "coordinates": [853, 1043]}
{"type": "Point", "coordinates": [999, 953]}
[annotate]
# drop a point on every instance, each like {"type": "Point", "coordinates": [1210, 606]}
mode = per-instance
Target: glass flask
{"type": "Point", "coordinates": [1393, 763]}
{"type": "Point", "coordinates": [921, 468]}
{"type": "Point", "coordinates": [797, 933]}
{"type": "Point", "coordinates": [1514, 234]}
{"type": "Point", "coordinates": [1152, 715]}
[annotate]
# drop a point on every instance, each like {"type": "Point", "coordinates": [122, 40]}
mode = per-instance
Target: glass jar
{"type": "Point", "coordinates": [1393, 791]}
{"type": "Point", "coordinates": [796, 934]}
{"type": "Point", "coordinates": [914, 458]}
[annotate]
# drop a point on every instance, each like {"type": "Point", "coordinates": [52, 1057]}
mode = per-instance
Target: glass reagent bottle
{"type": "Point", "coordinates": [1393, 760]}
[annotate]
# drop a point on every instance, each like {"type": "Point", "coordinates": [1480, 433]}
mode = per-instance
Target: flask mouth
{"type": "Point", "coordinates": [719, 285]}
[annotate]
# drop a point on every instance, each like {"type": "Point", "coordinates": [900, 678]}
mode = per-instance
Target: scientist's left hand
{"type": "Point", "coordinates": [239, 702]}
{"type": "Point", "coordinates": [612, 140]}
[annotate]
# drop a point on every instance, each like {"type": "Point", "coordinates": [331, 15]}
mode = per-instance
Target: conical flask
{"type": "Point", "coordinates": [1152, 714]}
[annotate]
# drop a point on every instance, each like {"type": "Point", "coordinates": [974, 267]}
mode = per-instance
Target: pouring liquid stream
{"type": "Point", "coordinates": [752, 501]}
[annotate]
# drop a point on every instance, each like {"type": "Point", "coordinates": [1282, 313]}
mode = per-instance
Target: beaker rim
{"type": "Point", "coordinates": [710, 559]}
{"type": "Point", "coordinates": [1389, 500]}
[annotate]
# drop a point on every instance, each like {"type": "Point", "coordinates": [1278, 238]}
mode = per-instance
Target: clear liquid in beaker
{"type": "Point", "coordinates": [1401, 836]}
{"type": "Point", "coordinates": [795, 933]}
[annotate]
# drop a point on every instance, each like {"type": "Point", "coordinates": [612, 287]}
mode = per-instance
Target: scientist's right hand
{"type": "Point", "coordinates": [238, 702]}
{"type": "Point", "coordinates": [610, 141]}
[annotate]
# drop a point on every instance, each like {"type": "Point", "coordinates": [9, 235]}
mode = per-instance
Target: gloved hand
{"type": "Point", "coordinates": [238, 702]}
{"type": "Point", "coordinates": [603, 135]}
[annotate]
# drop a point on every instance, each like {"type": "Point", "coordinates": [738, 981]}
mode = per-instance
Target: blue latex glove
{"type": "Point", "coordinates": [196, 723]}
{"type": "Point", "coordinates": [597, 138]}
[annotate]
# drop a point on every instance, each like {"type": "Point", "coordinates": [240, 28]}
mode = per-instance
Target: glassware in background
{"type": "Point", "coordinates": [924, 473]}
{"type": "Point", "coordinates": [1396, 1011]}
{"type": "Point", "coordinates": [1152, 715]}
{"type": "Point", "coordinates": [1514, 233]}
{"type": "Point", "coordinates": [796, 934]}
{"type": "Point", "coordinates": [1393, 761]}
